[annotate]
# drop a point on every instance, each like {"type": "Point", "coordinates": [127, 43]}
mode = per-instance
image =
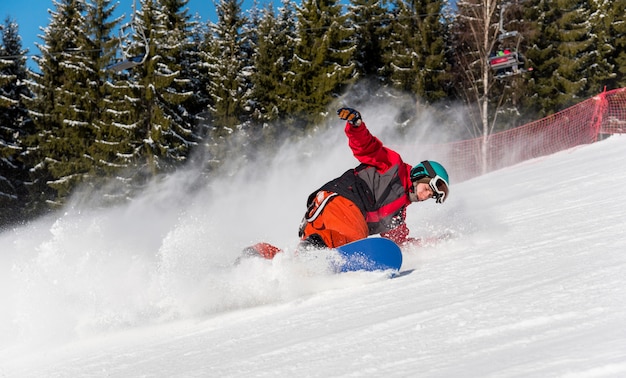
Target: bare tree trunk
{"type": "Point", "coordinates": [478, 35]}
{"type": "Point", "coordinates": [488, 43]}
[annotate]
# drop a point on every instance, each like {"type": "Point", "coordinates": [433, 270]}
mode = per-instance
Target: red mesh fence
{"type": "Point", "coordinates": [579, 124]}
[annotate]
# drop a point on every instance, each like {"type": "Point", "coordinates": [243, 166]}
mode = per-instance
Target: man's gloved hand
{"type": "Point", "coordinates": [350, 115]}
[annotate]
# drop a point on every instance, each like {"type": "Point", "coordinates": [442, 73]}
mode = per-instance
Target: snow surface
{"type": "Point", "coordinates": [531, 285]}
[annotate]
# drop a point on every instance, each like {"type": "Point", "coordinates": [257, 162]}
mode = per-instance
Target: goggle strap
{"type": "Point", "coordinates": [429, 168]}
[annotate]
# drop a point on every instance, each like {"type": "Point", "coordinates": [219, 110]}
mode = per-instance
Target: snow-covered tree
{"type": "Point", "coordinates": [608, 19]}
{"type": "Point", "coordinates": [162, 137]}
{"type": "Point", "coordinates": [181, 53]}
{"type": "Point", "coordinates": [228, 81]}
{"type": "Point", "coordinates": [617, 32]}
{"type": "Point", "coordinates": [563, 55]}
{"type": "Point", "coordinates": [371, 21]}
{"type": "Point", "coordinates": [323, 65]}
{"type": "Point", "coordinates": [196, 71]}
{"type": "Point", "coordinates": [251, 31]}
{"type": "Point", "coordinates": [71, 108]}
{"type": "Point", "coordinates": [14, 123]}
{"type": "Point", "coordinates": [60, 107]}
{"type": "Point", "coordinates": [417, 57]}
{"type": "Point", "coordinates": [112, 148]}
{"type": "Point", "coordinates": [272, 61]}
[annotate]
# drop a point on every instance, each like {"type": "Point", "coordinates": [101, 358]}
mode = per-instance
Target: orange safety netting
{"type": "Point", "coordinates": [579, 124]}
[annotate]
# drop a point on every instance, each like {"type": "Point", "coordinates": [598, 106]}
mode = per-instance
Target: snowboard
{"type": "Point", "coordinates": [369, 254]}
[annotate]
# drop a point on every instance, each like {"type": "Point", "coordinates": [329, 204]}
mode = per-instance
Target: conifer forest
{"type": "Point", "coordinates": [117, 103]}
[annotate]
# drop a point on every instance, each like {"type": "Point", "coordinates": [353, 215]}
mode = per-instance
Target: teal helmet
{"type": "Point", "coordinates": [439, 181]}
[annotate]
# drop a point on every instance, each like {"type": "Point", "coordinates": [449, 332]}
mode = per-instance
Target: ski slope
{"type": "Point", "coordinates": [531, 285]}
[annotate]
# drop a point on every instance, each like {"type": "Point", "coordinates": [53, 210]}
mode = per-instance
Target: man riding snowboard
{"type": "Point", "coordinates": [369, 199]}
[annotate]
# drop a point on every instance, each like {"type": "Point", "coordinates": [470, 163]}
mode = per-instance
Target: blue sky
{"type": "Point", "coordinates": [32, 15]}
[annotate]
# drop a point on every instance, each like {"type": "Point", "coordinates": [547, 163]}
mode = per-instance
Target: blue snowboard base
{"type": "Point", "coordinates": [370, 254]}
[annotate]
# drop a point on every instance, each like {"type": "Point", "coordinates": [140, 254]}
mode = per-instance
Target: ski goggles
{"type": "Point", "coordinates": [440, 188]}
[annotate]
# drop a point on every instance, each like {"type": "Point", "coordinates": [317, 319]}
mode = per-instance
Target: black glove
{"type": "Point", "coordinates": [350, 115]}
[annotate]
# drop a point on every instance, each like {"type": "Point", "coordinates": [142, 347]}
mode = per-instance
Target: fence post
{"type": "Point", "coordinates": [601, 106]}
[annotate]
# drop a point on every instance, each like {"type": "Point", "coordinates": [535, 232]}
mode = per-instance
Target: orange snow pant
{"type": "Point", "coordinates": [336, 219]}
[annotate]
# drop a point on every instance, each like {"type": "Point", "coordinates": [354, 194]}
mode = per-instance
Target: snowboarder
{"type": "Point", "coordinates": [371, 198]}
{"type": "Point", "coordinates": [366, 200]}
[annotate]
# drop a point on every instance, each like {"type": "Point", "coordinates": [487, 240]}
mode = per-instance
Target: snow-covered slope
{"type": "Point", "coordinates": [531, 285]}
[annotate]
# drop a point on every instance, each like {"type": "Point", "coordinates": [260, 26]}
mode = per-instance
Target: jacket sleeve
{"type": "Point", "coordinates": [370, 150]}
{"type": "Point", "coordinates": [399, 234]}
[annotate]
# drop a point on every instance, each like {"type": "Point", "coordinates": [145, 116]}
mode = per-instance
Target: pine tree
{"type": "Point", "coordinates": [250, 30]}
{"type": "Point", "coordinates": [72, 108]}
{"type": "Point", "coordinates": [609, 24]}
{"type": "Point", "coordinates": [161, 139]}
{"type": "Point", "coordinates": [272, 59]}
{"type": "Point", "coordinates": [563, 55]}
{"type": "Point", "coordinates": [618, 37]}
{"type": "Point", "coordinates": [197, 74]}
{"type": "Point", "coordinates": [111, 149]}
{"type": "Point", "coordinates": [201, 66]}
{"type": "Point", "coordinates": [418, 58]}
{"type": "Point", "coordinates": [228, 84]}
{"type": "Point", "coordinates": [371, 23]}
{"type": "Point", "coordinates": [14, 124]}
{"type": "Point", "coordinates": [323, 64]}
{"type": "Point", "coordinates": [61, 105]}
{"type": "Point", "coordinates": [181, 53]}
{"type": "Point", "coordinates": [266, 73]}
{"type": "Point", "coordinates": [285, 46]}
